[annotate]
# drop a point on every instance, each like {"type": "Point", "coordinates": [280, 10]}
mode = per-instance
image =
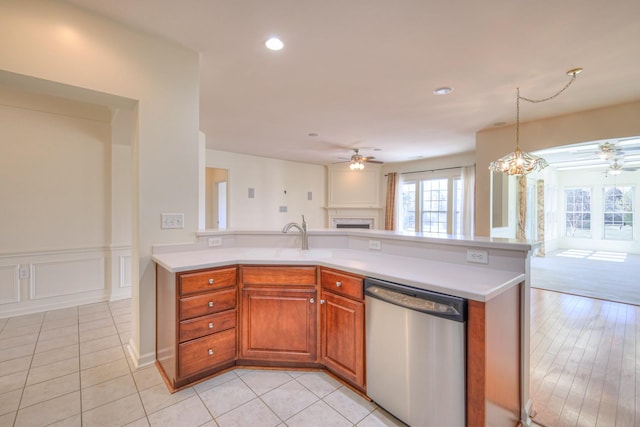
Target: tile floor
{"type": "Point", "coordinates": [70, 368]}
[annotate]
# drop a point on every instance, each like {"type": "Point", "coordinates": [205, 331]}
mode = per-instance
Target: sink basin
{"type": "Point", "coordinates": [288, 253]}
{"type": "Point", "coordinates": [310, 253]}
{"type": "Point", "coordinates": [262, 252]}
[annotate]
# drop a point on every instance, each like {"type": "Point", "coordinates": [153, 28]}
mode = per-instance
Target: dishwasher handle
{"type": "Point", "coordinates": [435, 304]}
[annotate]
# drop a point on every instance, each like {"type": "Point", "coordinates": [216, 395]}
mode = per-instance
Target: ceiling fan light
{"type": "Point", "coordinates": [615, 171]}
{"type": "Point", "coordinates": [605, 155]}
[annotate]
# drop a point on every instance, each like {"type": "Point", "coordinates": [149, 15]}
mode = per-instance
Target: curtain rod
{"type": "Point", "coordinates": [433, 170]}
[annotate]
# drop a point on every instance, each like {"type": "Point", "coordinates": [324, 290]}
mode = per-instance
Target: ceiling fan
{"type": "Point", "coordinates": [616, 167]}
{"type": "Point", "coordinates": [357, 160]}
{"type": "Point", "coordinates": [608, 151]}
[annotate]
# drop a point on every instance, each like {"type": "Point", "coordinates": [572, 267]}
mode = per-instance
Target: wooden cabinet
{"type": "Point", "coordinates": [196, 323]}
{"type": "Point", "coordinates": [205, 322]}
{"type": "Point", "coordinates": [342, 326]}
{"type": "Point", "coordinates": [279, 314]}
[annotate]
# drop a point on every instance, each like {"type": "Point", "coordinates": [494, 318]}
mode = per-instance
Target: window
{"type": "Point", "coordinates": [618, 213]}
{"type": "Point", "coordinates": [431, 205]}
{"type": "Point", "coordinates": [578, 212]}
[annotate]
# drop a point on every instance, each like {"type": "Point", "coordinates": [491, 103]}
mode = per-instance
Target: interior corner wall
{"type": "Point", "coordinates": [611, 122]}
{"type": "Point", "coordinates": [270, 178]}
{"type": "Point", "coordinates": [85, 54]}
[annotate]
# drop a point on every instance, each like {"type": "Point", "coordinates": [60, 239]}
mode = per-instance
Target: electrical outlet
{"type": "Point", "coordinates": [172, 220]}
{"type": "Point", "coordinates": [478, 256]}
{"type": "Point", "coordinates": [215, 241]}
{"type": "Point", "coordinates": [23, 273]}
{"type": "Point", "coordinates": [374, 244]}
{"type": "Point", "coordinates": [283, 209]}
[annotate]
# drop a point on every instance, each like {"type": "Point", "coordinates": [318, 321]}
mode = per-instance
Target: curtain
{"type": "Point", "coordinates": [522, 208]}
{"type": "Point", "coordinates": [540, 214]}
{"type": "Point", "coordinates": [390, 207]}
{"type": "Point", "coordinates": [468, 176]}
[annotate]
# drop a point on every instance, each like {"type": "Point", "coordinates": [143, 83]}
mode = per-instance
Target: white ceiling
{"type": "Point", "coordinates": [360, 73]}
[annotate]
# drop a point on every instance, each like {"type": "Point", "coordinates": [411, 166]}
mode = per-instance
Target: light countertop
{"type": "Point", "coordinates": [468, 281]}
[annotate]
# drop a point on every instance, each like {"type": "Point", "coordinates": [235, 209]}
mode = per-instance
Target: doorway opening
{"type": "Point", "coordinates": [217, 191]}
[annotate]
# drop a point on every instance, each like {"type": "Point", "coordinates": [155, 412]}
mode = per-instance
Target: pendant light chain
{"type": "Point", "coordinates": [518, 119]}
{"type": "Point", "coordinates": [536, 101]}
{"type": "Point", "coordinates": [519, 162]}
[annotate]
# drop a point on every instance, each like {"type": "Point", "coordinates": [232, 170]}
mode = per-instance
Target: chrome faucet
{"type": "Point", "coordinates": [303, 232]}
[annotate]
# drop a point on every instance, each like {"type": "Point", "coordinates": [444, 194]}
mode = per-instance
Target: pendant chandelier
{"type": "Point", "coordinates": [520, 162]}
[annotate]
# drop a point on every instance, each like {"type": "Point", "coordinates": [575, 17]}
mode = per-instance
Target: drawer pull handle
{"type": "Point", "coordinates": [210, 303]}
{"type": "Point", "coordinates": [210, 325]}
{"type": "Point", "coordinates": [322, 301]}
{"type": "Point", "coordinates": [211, 281]}
{"type": "Point", "coordinates": [210, 352]}
{"type": "Point", "coordinates": [338, 284]}
{"type": "Point", "coordinates": [312, 300]}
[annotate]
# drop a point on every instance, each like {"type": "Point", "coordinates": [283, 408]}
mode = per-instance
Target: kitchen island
{"type": "Point", "coordinates": [491, 274]}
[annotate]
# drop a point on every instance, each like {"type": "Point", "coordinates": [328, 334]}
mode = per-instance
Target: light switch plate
{"type": "Point", "coordinates": [172, 220]}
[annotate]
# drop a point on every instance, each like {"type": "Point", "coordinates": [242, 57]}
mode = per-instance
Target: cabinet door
{"type": "Point", "coordinates": [279, 324]}
{"type": "Point", "coordinates": [342, 337]}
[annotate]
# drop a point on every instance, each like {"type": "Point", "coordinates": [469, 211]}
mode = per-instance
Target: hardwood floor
{"type": "Point", "coordinates": [585, 369]}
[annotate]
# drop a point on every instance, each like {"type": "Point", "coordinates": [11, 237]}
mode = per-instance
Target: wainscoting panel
{"type": "Point", "coordinates": [9, 284]}
{"type": "Point", "coordinates": [33, 282]}
{"type": "Point", "coordinates": [56, 278]}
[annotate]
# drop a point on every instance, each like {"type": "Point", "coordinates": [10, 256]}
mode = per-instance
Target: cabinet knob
{"type": "Point", "coordinates": [210, 352]}
{"type": "Point", "coordinates": [312, 300]}
{"type": "Point", "coordinates": [322, 301]}
{"type": "Point", "coordinates": [210, 303]}
{"type": "Point", "coordinates": [211, 281]}
{"type": "Point", "coordinates": [210, 325]}
{"type": "Point", "coordinates": [338, 284]}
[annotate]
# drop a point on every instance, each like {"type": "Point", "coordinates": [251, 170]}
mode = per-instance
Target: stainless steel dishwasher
{"type": "Point", "coordinates": [415, 347]}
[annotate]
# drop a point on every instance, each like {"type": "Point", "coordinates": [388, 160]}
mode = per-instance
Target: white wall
{"type": "Point", "coordinates": [59, 198]}
{"type": "Point", "coordinates": [63, 49]}
{"type": "Point", "coordinates": [54, 174]}
{"type": "Point", "coordinates": [270, 178]}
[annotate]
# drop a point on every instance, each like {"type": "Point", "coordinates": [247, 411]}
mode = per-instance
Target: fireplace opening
{"type": "Point", "coordinates": [364, 226]}
{"type": "Point", "coordinates": [365, 223]}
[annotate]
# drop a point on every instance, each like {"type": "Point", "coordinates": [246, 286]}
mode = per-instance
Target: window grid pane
{"type": "Point", "coordinates": [618, 212]}
{"type": "Point", "coordinates": [578, 212]}
{"type": "Point", "coordinates": [434, 202]}
{"type": "Point", "coordinates": [408, 208]}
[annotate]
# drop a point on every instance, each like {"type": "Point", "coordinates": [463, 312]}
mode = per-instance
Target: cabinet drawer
{"type": "Point", "coordinates": [202, 281]}
{"type": "Point", "coordinates": [208, 303]}
{"type": "Point", "coordinates": [207, 325]}
{"type": "Point", "coordinates": [207, 352]}
{"type": "Point", "coordinates": [278, 275]}
{"type": "Point", "coordinates": [341, 283]}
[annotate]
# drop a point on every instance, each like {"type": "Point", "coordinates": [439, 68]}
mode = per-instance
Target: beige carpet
{"type": "Point", "coordinates": [611, 276]}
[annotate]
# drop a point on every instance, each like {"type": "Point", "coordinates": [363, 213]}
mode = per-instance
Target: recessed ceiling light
{"type": "Point", "coordinates": [444, 90]}
{"type": "Point", "coordinates": [274, 43]}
